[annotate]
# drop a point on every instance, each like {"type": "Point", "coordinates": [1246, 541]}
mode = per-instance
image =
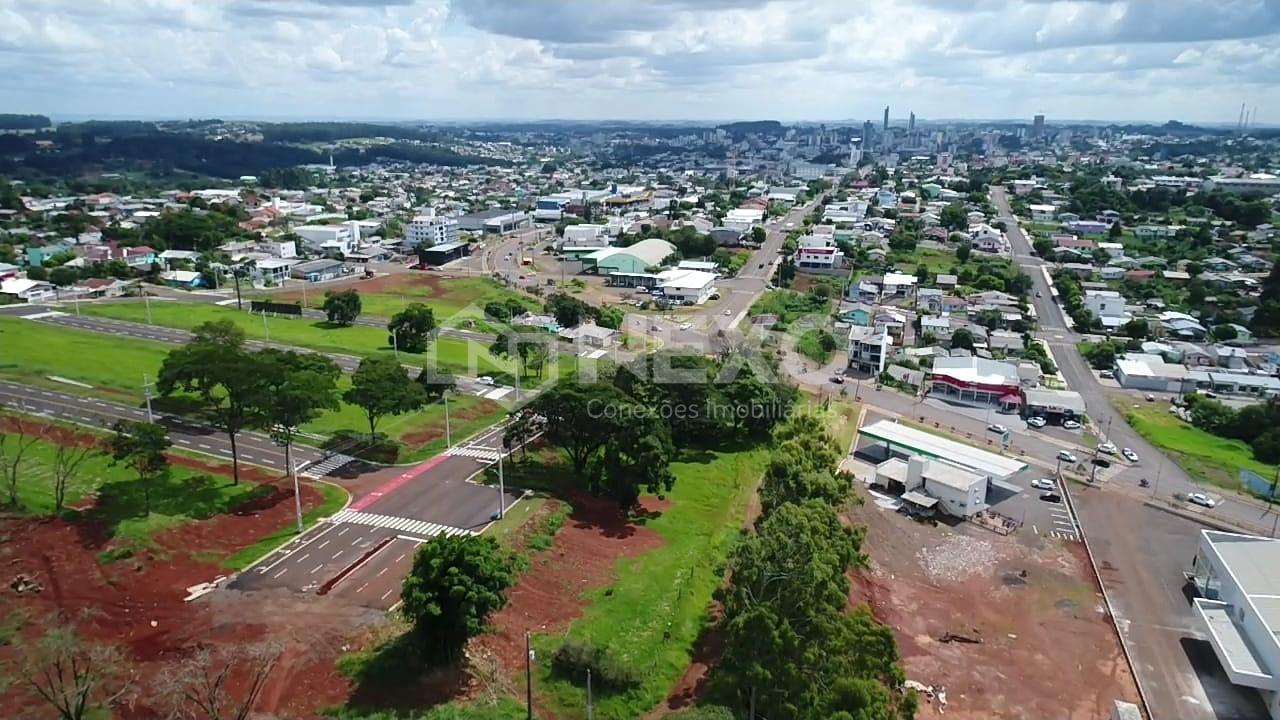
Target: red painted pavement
{"type": "Point", "coordinates": [392, 485]}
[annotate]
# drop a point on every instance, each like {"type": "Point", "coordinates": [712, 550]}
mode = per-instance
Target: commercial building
{"type": "Point", "coordinates": [928, 484]}
{"type": "Point", "coordinates": [636, 258]}
{"type": "Point", "coordinates": [1238, 579]}
{"type": "Point", "coordinates": [743, 219]}
{"type": "Point", "coordinates": [892, 437]}
{"type": "Point", "coordinates": [1254, 184]}
{"type": "Point", "coordinates": [497, 220]}
{"type": "Point", "coordinates": [1139, 371]}
{"type": "Point", "coordinates": [976, 381]}
{"type": "Point", "coordinates": [437, 255]}
{"type": "Point", "coordinates": [1053, 405]}
{"type": "Point", "coordinates": [332, 240]}
{"type": "Point", "coordinates": [586, 236]}
{"type": "Point", "coordinates": [319, 270]}
{"type": "Point", "coordinates": [430, 230]}
{"type": "Point", "coordinates": [686, 286]}
{"type": "Point", "coordinates": [869, 349]}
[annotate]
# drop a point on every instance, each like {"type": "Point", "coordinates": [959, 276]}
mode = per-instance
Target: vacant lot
{"type": "Point", "coordinates": [938, 261]}
{"type": "Point", "coordinates": [447, 297]}
{"type": "Point", "coordinates": [641, 588]}
{"type": "Point", "coordinates": [1010, 627]}
{"type": "Point", "coordinates": [1204, 456]}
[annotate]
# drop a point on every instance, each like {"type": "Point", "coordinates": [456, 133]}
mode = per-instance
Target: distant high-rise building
{"type": "Point", "coordinates": [1037, 126]}
{"type": "Point", "coordinates": [886, 119]}
{"type": "Point", "coordinates": [911, 123]}
{"type": "Point", "coordinates": [868, 132]}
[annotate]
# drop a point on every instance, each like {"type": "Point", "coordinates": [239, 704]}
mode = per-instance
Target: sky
{"type": "Point", "coordinates": [790, 60]}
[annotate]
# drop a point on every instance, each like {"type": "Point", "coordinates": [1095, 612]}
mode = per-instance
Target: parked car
{"type": "Point", "coordinates": [1043, 484]}
{"type": "Point", "coordinates": [1066, 456]}
{"type": "Point", "coordinates": [484, 380]}
{"type": "Point", "coordinates": [715, 296]}
{"type": "Point", "coordinates": [1151, 398]}
{"type": "Point", "coordinates": [1129, 455]}
{"type": "Point", "coordinates": [997, 429]}
{"type": "Point", "coordinates": [837, 379]}
{"type": "Point", "coordinates": [642, 290]}
{"type": "Point", "coordinates": [1038, 294]}
{"type": "Point", "coordinates": [1107, 374]}
{"type": "Point", "coordinates": [1108, 448]}
{"type": "Point", "coordinates": [1101, 462]}
{"type": "Point", "coordinates": [1201, 499]}
{"type": "Point", "coordinates": [1052, 497]}
{"type": "Point", "coordinates": [1070, 424]}
{"type": "Point", "coordinates": [1036, 421]}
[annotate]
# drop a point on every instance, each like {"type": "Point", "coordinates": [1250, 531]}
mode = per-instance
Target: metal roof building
{"type": "Point", "coordinates": [918, 442]}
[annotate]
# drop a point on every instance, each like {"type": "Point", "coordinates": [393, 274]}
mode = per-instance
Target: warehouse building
{"type": "Point", "coordinates": [438, 255]}
{"type": "Point", "coordinates": [1139, 371]}
{"type": "Point", "coordinates": [636, 258]}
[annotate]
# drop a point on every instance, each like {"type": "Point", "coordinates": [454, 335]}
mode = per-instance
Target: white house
{"type": "Point", "coordinates": [899, 284]}
{"type": "Point", "coordinates": [743, 219]}
{"type": "Point", "coordinates": [687, 286]}
{"type": "Point", "coordinates": [868, 349]}
{"type": "Point", "coordinates": [818, 251]}
{"type": "Point", "coordinates": [1043, 213]}
{"type": "Point", "coordinates": [1107, 306]}
{"type": "Point", "coordinates": [27, 290]}
{"type": "Point", "coordinates": [328, 239]}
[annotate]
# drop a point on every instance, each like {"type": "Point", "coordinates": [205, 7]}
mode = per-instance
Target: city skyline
{"type": "Point", "coordinates": [662, 60]}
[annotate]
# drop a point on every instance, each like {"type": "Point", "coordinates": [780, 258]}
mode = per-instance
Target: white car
{"type": "Point", "coordinates": [1066, 456]}
{"type": "Point", "coordinates": [1070, 425]}
{"type": "Point", "coordinates": [685, 326]}
{"type": "Point", "coordinates": [1129, 455]}
{"type": "Point", "coordinates": [1201, 499]}
{"type": "Point", "coordinates": [997, 429]}
{"type": "Point", "coordinates": [1043, 484]}
{"type": "Point", "coordinates": [1108, 448]}
{"type": "Point", "coordinates": [1036, 422]}
{"type": "Point", "coordinates": [484, 380]}
{"type": "Point", "coordinates": [727, 311]}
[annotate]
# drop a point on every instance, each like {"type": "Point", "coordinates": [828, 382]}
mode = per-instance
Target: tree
{"type": "Point", "coordinates": [581, 418]}
{"type": "Point", "coordinates": [200, 686]}
{"type": "Point", "coordinates": [638, 459]}
{"type": "Point", "coordinates": [1115, 232]}
{"type": "Point", "coordinates": [1136, 328]}
{"type": "Point", "coordinates": [142, 446]}
{"type": "Point", "coordinates": [381, 386]}
{"type": "Point", "coordinates": [530, 349]}
{"type": "Point", "coordinates": [1196, 295]}
{"type": "Point", "coordinates": [759, 235]}
{"type": "Point", "coordinates": [435, 385]}
{"type": "Point", "coordinates": [72, 675]}
{"type": "Point", "coordinates": [1266, 447]}
{"type": "Point", "coordinates": [296, 389]}
{"type": "Point", "coordinates": [36, 272]}
{"type": "Point", "coordinates": [455, 585]}
{"type": "Point", "coordinates": [963, 251]}
{"type": "Point", "coordinates": [62, 276]}
{"type": "Point", "coordinates": [68, 461]}
{"type": "Point", "coordinates": [15, 442]}
{"type": "Point", "coordinates": [216, 367]}
{"type": "Point", "coordinates": [953, 217]}
{"type": "Point", "coordinates": [411, 329]}
{"type": "Point", "coordinates": [568, 311]}
{"type": "Point", "coordinates": [1223, 333]}
{"type": "Point", "coordinates": [342, 307]}
{"type": "Point", "coordinates": [962, 338]}
{"type": "Point", "coordinates": [1101, 356]}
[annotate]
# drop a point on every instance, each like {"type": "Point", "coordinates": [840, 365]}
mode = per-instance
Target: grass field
{"type": "Point", "coordinates": [1204, 456]}
{"type": "Point", "coordinates": [447, 297]}
{"type": "Point", "coordinates": [651, 618]}
{"type": "Point", "coordinates": [185, 495]}
{"type": "Point", "coordinates": [450, 354]}
{"type": "Point", "coordinates": [30, 352]}
{"type": "Point", "coordinates": [938, 261]}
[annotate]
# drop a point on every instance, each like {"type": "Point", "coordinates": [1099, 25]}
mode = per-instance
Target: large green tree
{"type": "Point", "coordinates": [342, 307]}
{"type": "Point", "coordinates": [637, 460]}
{"type": "Point", "coordinates": [217, 369]}
{"type": "Point", "coordinates": [530, 350]}
{"type": "Point", "coordinates": [141, 446]}
{"type": "Point", "coordinates": [455, 585]}
{"type": "Point", "coordinates": [581, 418]}
{"type": "Point", "coordinates": [296, 389]}
{"type": "Point", "coordinates": [411, 329]}
{"type": "Point", "coordinates": [381, 386]}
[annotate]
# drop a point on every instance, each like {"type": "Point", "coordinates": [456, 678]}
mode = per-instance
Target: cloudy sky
{"type": "Point", "coordinates": [1193, 60]}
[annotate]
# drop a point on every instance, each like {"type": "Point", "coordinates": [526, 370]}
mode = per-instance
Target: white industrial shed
{"type": "Point", "coordinates": [904, 438]}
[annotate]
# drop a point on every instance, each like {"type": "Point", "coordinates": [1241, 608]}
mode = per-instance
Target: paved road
{"type": "Point", "coordinates": [1141, 551]}
{"type": "Point", "coordinates": [254, 448]}
{"type": "Point", "coordinates": [368, 547]}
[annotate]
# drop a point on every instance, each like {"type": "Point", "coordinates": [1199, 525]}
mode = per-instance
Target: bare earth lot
{"type": "Point", "coordinates": [1045, 646]}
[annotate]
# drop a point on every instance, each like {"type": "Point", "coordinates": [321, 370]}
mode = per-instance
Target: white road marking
{"type": "Point", "coordinates": [280, 573]}
{"type": "Point", "coordinates": [335, 555]}
{"type": "Point", "coordinates": [400, 558]}
{"type": "Point", "coordinates": [385, 594]}
{"type": "Point", "coordinates": [304, 557]}
{"type": "Point", "coordinates": [380, 572]}
{"type": "Point", "coordinates": [326, 542]}
{"type": "Point", "coordinates": [313, 570]}
{"type": "Point", "coordinates": [362, 587]}
{"type": "Point", "coordinates": [344, 531]}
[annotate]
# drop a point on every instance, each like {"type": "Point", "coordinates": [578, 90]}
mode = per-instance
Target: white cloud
{"type": "Point", "coordinates": [788, 59]}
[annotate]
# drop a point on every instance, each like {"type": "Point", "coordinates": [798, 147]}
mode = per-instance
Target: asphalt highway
{"type": "Point", "coordinates": [254, 448]}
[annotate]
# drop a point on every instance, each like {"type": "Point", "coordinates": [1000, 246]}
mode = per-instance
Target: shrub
{"type": "Point", "coordinates": [381, 449]}
{"type": "Point", "coordinates": [575, 657]}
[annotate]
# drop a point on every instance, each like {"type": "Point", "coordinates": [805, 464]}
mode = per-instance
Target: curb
{"type": "Point", "coordinates": [1106, 599]}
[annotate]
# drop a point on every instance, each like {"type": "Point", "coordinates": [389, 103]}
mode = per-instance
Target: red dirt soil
{"type": "Point", "coordinates": [549, 595]}
{"type": "Point", "coordinates": [137, 603]}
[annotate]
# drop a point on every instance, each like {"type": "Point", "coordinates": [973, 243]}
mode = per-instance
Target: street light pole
{"type": "Point", "coordinates": [528, 676]}
{"type": "Point", "coordinates": [146, 390]}
{"type": "Point", "coordinates": [502, 489]}
{"type": "Point", "coordinates": [448, 437]}
{"type": "Point", "coordinates": [265, 329]}
{"type": "Point", "coordinates": [146, 298]}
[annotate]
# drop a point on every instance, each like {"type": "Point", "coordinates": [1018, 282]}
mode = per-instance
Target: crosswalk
{"type": "Point", "coordinates": [326, 466]}
{"type": "Point", "coordinates": [479, 453]}
{"type": "Point", "coordinates": [1064, 525]}
{"type": "Point", "coordinates": [399, 524]}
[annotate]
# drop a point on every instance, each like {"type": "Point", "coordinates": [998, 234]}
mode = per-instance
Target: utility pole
{"type": "Point", "coordinates": [297, 492]}
{"type": "Point", "coordinates": [502, 489]}
{"type": "Point", "coordinates": [395, 347]}
{"type": "Point", "coordinates": [146, 298]}
{"type": "Point", "coordinates": [528, 676]}
{"type": "Point", "coordinates": [235, 273]}
{"type": "Point", "coordinates": [590, 715]}
{"type": "Point", "coordinates": [265, 329]}
{"type": "Point", "coordinates": [448, 437]}
{"type": "Point", "coordinates": [146, 390]}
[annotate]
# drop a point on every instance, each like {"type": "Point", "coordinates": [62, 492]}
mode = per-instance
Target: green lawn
{"type": "Point", "coordinates": [186, 495]}
{"type": "Point", "coordinates": [334, 498]}
{"type": "Point", "coordinates": [938, 261]}
{"type": "Point", "coordinates": [1204, 456]}
{"type": "Point", "coordinates": [450, 354]}
{"type": "Point", "coordinates": [30, 352]}
{"type": "Point", "coordinates": [665, 591]}
{"type": "Point", "coordinates": [447, 297]}
{"type": "Point", "coordinates": [810, 344]}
